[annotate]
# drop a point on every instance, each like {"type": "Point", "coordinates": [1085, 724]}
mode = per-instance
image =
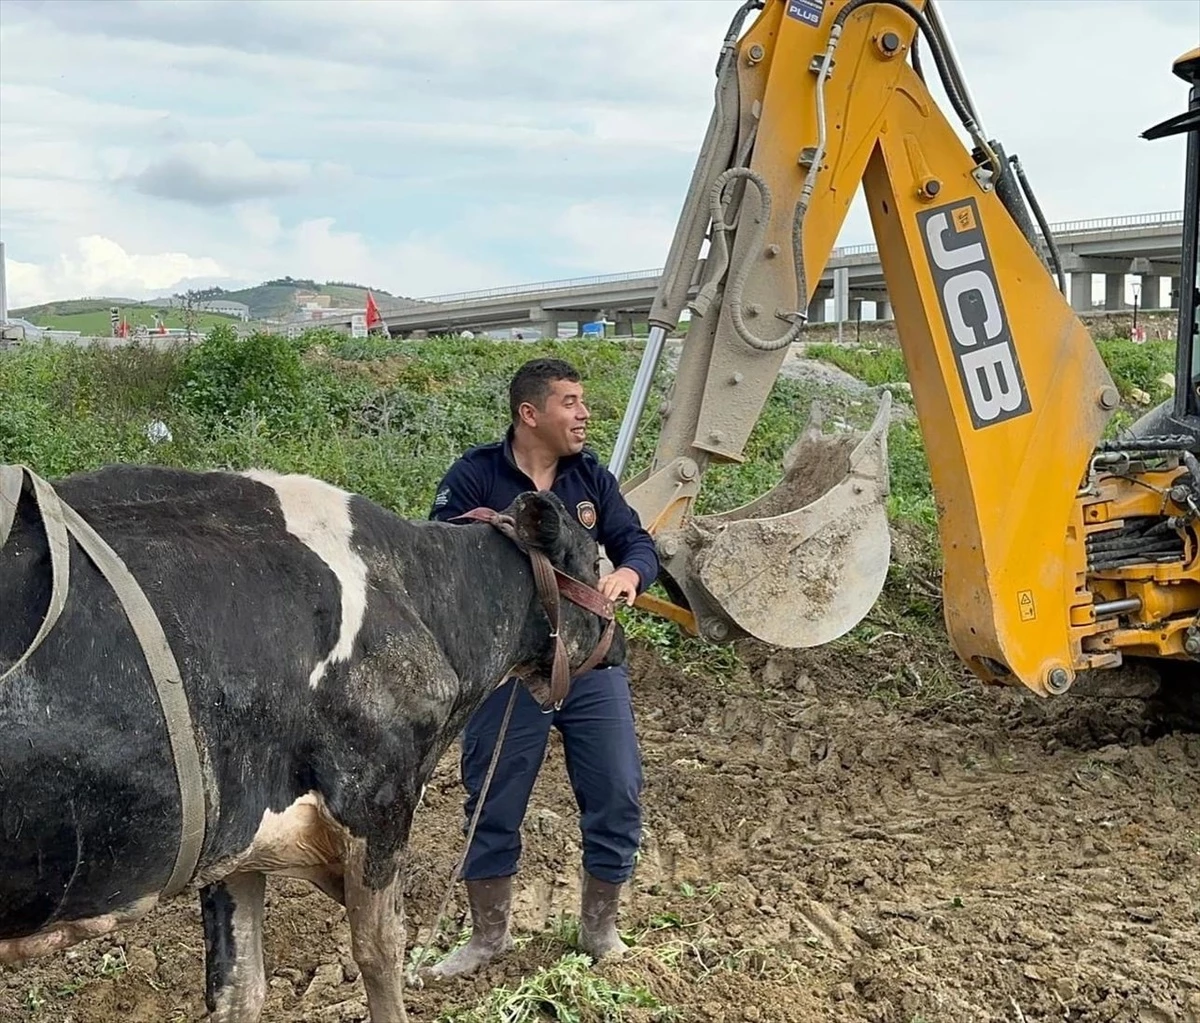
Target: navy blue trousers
{"type": "Point", "coordinates": [603, 764]}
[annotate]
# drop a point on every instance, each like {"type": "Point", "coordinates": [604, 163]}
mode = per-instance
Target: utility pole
{"type": "Point", "coordinates": [3, 290]}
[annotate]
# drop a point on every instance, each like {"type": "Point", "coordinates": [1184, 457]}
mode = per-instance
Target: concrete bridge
{"type": "Point", "coordinates": [1145, 245]}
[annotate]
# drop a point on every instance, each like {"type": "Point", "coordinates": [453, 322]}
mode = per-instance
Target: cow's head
{"type": "Point", "coordinates": [543, 524]}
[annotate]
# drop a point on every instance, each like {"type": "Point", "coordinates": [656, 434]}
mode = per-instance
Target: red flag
{"type": "Point", "coordinates": [373, 316]}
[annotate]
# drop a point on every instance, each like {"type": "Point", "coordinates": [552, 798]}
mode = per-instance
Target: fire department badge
{"type": "Point", "coordinates": [585, 511]}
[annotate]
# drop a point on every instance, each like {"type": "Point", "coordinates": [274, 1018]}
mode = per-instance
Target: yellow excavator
{"type": "Point", "coordinates": [1062, 551]}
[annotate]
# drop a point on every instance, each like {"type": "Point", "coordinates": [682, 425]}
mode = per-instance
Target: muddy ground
{"type": "Point", "coordinates": [829, 837]}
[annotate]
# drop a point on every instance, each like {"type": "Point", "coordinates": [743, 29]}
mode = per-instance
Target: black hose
{"type": "Point", "coordinates": [916, 58]}
{"type": "Point", "coordinates": [944, 67]}
{"type": "Point", "coordinates": [1169, 444]}
{"type": "Point", "coordinates": [735, 29]}
{"type": "Point", "coordinates": [1051, 244]}
{"type": "Point", "coordinates": [1105, 566]}
{"type": "Point", "coordinates": [1138, 546]}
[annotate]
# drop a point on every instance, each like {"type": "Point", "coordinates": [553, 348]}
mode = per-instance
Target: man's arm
{"type": "Point", "coordinates": [628, 545]}
{"type": "Point", "coordinates": [460, 491]}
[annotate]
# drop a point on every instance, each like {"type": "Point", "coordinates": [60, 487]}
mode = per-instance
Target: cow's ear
{"type": "Point", "coordinates": [538, 521]}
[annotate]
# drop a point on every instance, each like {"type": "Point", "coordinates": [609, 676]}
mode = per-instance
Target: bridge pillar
{"type": "Point", "coordinates": [1151, 295]}
{"type": "Point", "coordinates": [1176, 293]}
{"type": "Point", "coordinates": [1081, 291]}
{"type": "Point", "coordinates": [1114, 292]}
{"type": "Point", "coordinates": [544, 323]}
{"type": "Point", "coordinates": [816, 309]}
{"type": "Point", "coordinates": [579, 317]}
{"type": "Point", "coordinates": [883, 310]}
{"type": "Point", "coordinates": [624, 327]}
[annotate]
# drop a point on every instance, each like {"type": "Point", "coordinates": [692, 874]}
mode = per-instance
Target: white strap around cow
{"type": "Point", "coordinates": [11, 480]}
{"type": "Point", "coordinates": [60, 519]}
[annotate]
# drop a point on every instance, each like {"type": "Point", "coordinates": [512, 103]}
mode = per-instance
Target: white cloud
{"type": "Point", "coordinates": [220, 174]}
{"type": "Point", "coordinates": [259, 222]}
{"type": "Point", "coordinates": [597, 234]}
{"type": "Point", "coordinates": [315, 249]}
{"type": "Point", "coordinates": [424, 263]}
{"type": "Point", "coordinates": [427, 147]}
{"type": "Point", "coordinates": [100, 267]}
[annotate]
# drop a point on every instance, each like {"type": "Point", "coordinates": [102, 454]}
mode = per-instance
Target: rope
{"type": "Point", "coordinates": [457, 872]}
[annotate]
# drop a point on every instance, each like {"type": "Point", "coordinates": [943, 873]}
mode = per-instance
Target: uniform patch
{"type": "Point", "coordinates": [585, 511]}
{"type": "Point", "coordinates": [443, 498]}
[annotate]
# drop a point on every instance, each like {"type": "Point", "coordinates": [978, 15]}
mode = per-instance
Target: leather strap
{"type": "Point", "coordinates": [60, 518]}
{"type": "Point", "coordinates": [551, 584]}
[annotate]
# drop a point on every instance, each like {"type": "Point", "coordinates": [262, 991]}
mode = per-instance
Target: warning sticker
{"type": "Point", "coordinates": [808, 11]}
{"type": "Point", "coordinates": [1025, 603]}
{"type": "Point", "coordinates": [963, 218]}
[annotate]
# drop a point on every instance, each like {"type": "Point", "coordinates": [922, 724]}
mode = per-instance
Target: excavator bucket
{"type": "Point", "coordinates": [805, 562]}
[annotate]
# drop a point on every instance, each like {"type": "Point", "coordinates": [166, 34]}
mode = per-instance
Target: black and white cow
{"type": "Point", "coordinates": [330, 652]}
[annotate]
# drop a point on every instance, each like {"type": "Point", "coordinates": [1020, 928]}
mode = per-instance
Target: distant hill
{"type": "Point", "coordinates": [269, 300]}
{"type": "Point", "coordinates": [93, 319]}
{"type": "Point", "coordinates": [274, 299]}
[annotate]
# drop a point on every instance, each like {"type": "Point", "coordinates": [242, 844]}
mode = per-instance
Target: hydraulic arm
{"type": "Point", "coordinates": [1057, 556]}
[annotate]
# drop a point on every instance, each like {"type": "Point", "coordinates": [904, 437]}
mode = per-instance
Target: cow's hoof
{"type": "Point", "coordinates": [467, 960]}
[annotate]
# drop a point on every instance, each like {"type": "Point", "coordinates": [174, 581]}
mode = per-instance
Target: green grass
{"type": "Point", "coordinates": [269, 299]}
{"type": "Point", "coordinates": [97, 323]}
{"type": "Point", "coordinates": [1133, 367]}
{"type": "Point", "coordinates": [381, 418]}
{"type": "Point", "coordinates": [568, 991]}
{"type": "Point", "coordinates": [70, 306]}
{"type": "Point", "coordinates": [1143, 367]}
{"type": "Point", "coordinates": [385, 418]}
{"type": "Point", "coordinates": [875, 366]}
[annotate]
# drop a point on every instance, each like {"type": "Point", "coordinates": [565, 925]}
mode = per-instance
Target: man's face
{"type": "Point", "coordinates": [562, 425]}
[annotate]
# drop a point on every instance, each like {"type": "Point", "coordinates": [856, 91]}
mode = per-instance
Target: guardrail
{"type": "Point", "coordinates": [1129, 222]}
{"type": "Point", "coordinates": [568, 284]}
{"type": "Point", "coordinates": [1133, 220]}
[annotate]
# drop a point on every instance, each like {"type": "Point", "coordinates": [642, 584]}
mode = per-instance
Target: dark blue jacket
{"type": "Point", "coordinates": [487, 476]}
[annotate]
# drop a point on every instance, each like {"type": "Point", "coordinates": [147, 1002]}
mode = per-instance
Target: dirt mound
{"type": "Point", "coordinates": [826, 840]}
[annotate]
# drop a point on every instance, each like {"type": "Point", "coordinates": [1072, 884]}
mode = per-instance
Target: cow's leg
{"type": "Point", "coordinates": [234, 984]}
{"type": "Point", "coordinates": [374, 911]}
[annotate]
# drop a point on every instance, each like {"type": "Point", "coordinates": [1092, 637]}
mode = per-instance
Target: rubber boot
{"type": "Point", "coordinates": [490, 902]}
{"type": "Point", "coordinates": [599, 905]}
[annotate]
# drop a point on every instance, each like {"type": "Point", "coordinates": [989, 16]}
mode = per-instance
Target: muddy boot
{"type": "Point", "coordinates": [598, 935]}
{"type": "Point", "coordinates": [490, 902]}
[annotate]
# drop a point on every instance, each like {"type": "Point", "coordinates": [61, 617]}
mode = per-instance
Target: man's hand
{"type": "Point", "coordinates": [619, 585]}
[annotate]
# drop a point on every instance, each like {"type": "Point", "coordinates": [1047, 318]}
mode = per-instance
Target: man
{"type": "Point", "coordinates": [544, 449]}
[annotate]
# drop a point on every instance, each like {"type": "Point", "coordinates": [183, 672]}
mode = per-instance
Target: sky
{"type": "Point", "coordinates": [419, 147]}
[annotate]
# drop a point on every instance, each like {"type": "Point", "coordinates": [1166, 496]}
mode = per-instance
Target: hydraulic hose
{"type": "Point", "coordinates": [946, 71]}
{"type": "Point", "coordinates": [1051, 244]}
{"type": "Point", "coordinates": [738, 285]}
{"type": "Point", "coordinates": [916, 58]}
{"type": "Point", "coordinates": [735, 29]}
{"type": "Point", "coordinates": [950, 80]}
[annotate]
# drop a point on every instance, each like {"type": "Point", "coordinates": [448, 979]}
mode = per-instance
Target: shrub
{"type": "Point", "coordinates": [225, 378]}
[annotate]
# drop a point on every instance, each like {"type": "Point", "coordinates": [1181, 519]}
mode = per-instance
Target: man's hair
{"type": "Point", "coordinates": [533, 381]}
